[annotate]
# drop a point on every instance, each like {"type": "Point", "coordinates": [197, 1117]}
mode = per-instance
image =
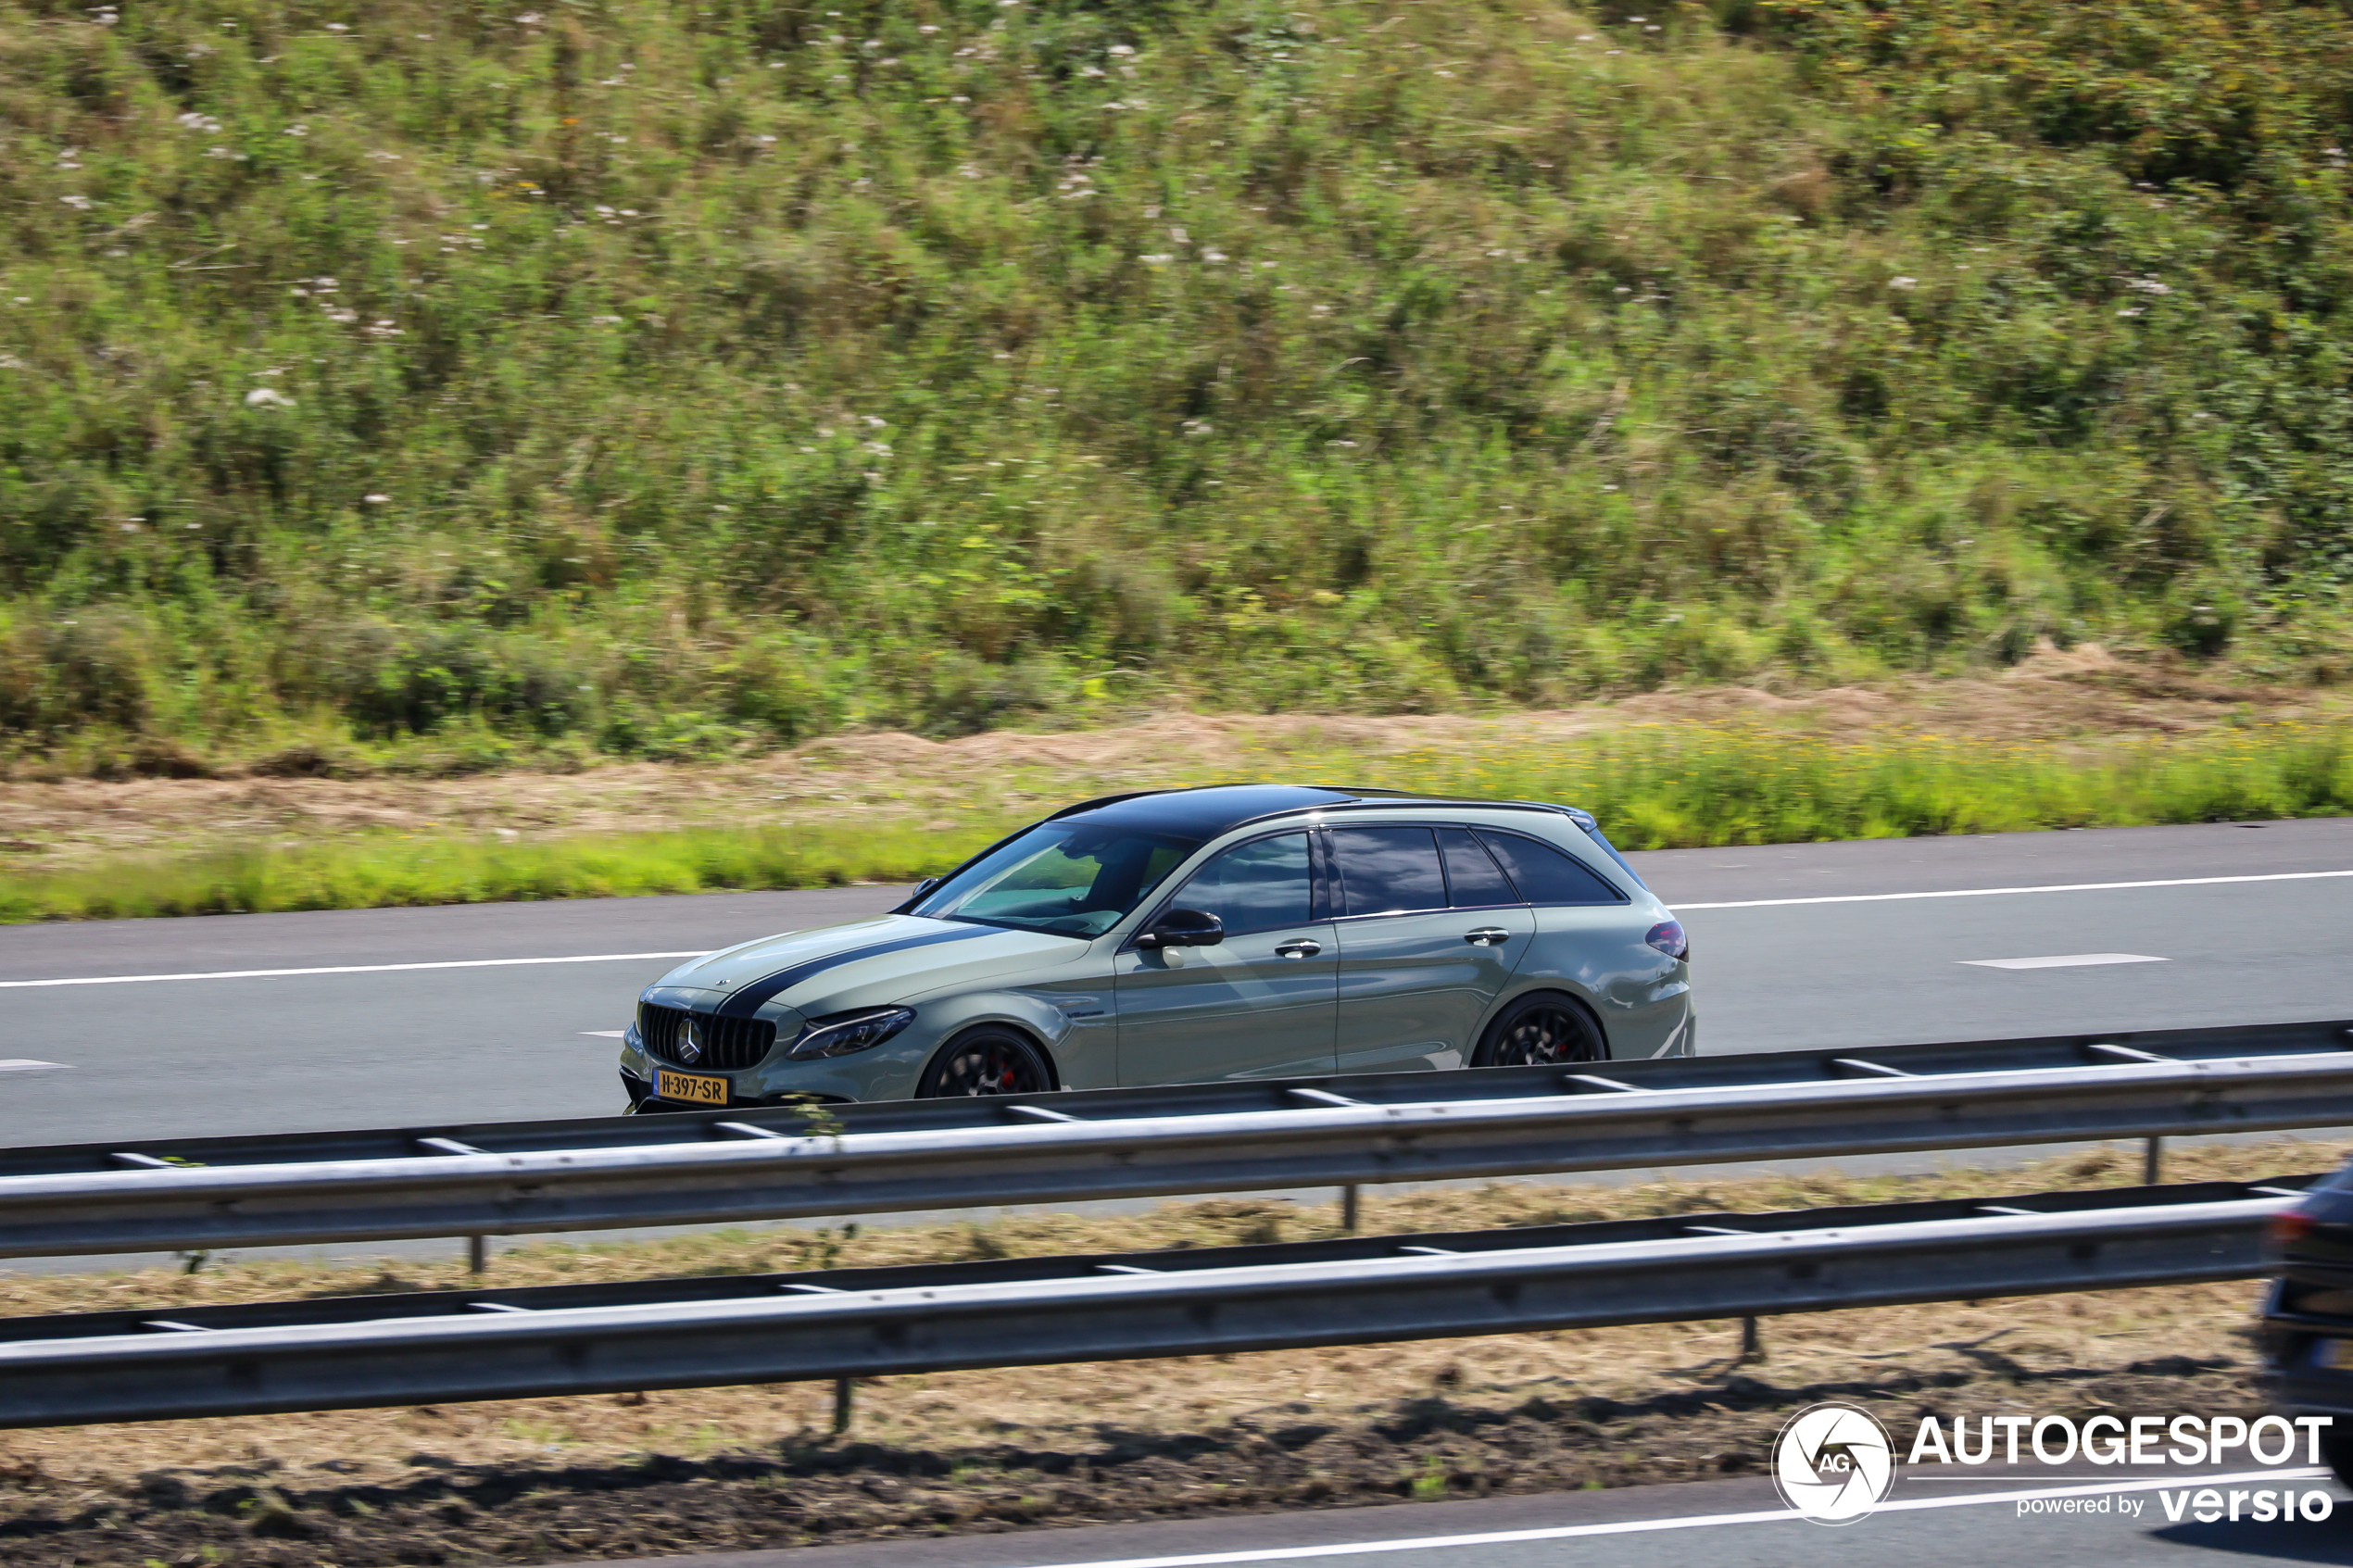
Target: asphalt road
{"type": "Point", "coordinates": [1734, 1524]}
{"type": "Point", "coordinates": [434, 1015]}
{"type": "Point", "coordinates": [1799, 945]}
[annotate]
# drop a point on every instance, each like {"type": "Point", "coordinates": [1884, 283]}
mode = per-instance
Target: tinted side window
{"type": "Point", "coordinates": [1472, 881]}
{"type": "Point", "coordinates": [1255, 886]}
{"type": "Point", "coordinates": [1546, 875]}
{"type": "Point", "coordinates": [1388, 870]}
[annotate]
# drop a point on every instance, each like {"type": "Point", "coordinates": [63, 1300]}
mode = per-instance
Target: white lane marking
{"type": "Point", "coordinates": [1640, 1526]}
{"type": "Point", "coordinates": [343, 969]}
{"type": "Point", "coordinates": [2060, 961]}
{"type": "Point", "coordinates": [604, 1034]}
{"type": "Point", "coordinates": [22, 1064]}
{"type": "Point", "coordinates": [1995, 892]}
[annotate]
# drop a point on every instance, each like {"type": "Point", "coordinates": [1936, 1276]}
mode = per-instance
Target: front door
{"type": "Point", "coordinates": [1432, 935]}
{"type": "Point", "coordinates": [1257, 1005]}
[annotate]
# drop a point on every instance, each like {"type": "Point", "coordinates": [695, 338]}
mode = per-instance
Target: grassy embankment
{"type": "Point", "coordinates": [1655, 788]}
{"type": "Point", "coordinates": [425, 385]}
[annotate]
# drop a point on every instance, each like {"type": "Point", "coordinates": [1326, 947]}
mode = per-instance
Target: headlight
{"type": "Point", "coordinates": [858, 1032]}
{"type": "Point", "coordinates": [632, 1040]}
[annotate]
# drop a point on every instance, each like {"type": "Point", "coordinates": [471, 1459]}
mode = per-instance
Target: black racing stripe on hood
{"type": "Point", "coordinates": [749, 1000]}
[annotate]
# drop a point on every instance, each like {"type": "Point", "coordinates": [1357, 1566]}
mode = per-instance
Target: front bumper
{"type": "Point", "coordinates": [2309, 1372]}
{"type": "Point", "coordinates": [643, 1102]}
{"type": "Point", "coordinates": [888, 1071]}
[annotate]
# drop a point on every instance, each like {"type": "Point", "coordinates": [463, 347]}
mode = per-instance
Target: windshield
{"type": "Point", "coordinates": [1065, 878]}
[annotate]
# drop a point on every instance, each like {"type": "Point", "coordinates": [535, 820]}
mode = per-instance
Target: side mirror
{"type": "Point", "coordinates": [1183, 928]}
{"type": "Point", "coordinates": [926, 885]}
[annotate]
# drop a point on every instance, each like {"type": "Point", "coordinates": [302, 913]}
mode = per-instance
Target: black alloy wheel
{"type": "Point", "coordinates": [986, 1061]}
{"type": "Point", "coordinates": [1541, 1031]}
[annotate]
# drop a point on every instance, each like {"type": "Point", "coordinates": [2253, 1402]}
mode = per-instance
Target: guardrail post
{"type": "Point", "coordinates": [1752, 1343]}
{"type": "Point", "coordinates": [2152, 1163]}
{"type": "Point", "coordinates": [843, 1390]}
{"type": "Point", "coordinates": [1348, 1210]}
{"type": "Point", "coordinates": [477, 1254]}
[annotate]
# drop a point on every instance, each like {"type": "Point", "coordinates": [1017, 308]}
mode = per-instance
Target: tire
{"type": "Point", "coordinates": [1541, 1029]}
{"type": "Point", "coordinates": [987, 1061]}
{"type": "Point", "coordinates": [2336, 1452]}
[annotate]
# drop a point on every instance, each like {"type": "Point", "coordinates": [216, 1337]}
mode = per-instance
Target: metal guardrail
{"type": "Point", "coordinates": [1749, 1069]}
{"type": "Point", "coordinates": [722, 1167]}
{"type": "Point", "coordinates": [581, 1339]}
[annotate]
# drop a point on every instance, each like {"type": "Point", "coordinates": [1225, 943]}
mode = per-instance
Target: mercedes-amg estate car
{"type": "Point", "coordinates": [1177, 936]}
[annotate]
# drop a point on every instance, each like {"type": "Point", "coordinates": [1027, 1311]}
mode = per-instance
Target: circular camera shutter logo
{"type": "Point", "coordinates": [689, 1041]}
{"type": "Point", "coordinates": [1833, 1462]}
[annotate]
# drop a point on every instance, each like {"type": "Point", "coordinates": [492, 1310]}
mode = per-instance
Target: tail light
{"type": "Point", "coordinates": [1669, 938]}
{"type": "Point", "coordinates": [2287, 1229]}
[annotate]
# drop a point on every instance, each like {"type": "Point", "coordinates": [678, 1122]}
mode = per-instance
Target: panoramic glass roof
{"type": "Point", "coordinates": [1202, 814]}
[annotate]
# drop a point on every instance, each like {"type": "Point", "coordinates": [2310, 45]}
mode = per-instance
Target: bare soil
{"type": "Point", "coordinates": [719, 1469]}
{"type": "Point", "coordinates": [2080, 695]}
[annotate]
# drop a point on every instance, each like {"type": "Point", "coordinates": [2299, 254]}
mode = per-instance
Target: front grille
{"type": "Point", "coordinates": [727, 1043]}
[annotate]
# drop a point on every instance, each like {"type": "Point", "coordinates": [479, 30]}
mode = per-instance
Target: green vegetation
{"type": "Point", "coordinates": [379, 871]}
{"type": "Point", "coordinates": [1668, 789]}
{"type": "Point", "coordinates": [1653, 788]}
{"type": "Point", "coordinates": [443, 385]}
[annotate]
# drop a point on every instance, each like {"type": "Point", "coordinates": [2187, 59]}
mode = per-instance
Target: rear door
{"type": "Point", "coordinates": [1588, 937]}
{"type": "Point", "coordinates": [1257, 1005]}
{"type": "Point", "coordinates": [1429, 933]}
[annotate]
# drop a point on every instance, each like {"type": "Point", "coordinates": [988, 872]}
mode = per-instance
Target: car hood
{"type": "Point", "coordinates": [881, 959]}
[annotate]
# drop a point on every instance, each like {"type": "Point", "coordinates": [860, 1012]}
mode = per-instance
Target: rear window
{"type": "Point", "coordinates": [1472, 881]}
{"type": "Point", "coordinates": [1389, 871]}
{"type": "Point", "coordinates": [1546, 875]}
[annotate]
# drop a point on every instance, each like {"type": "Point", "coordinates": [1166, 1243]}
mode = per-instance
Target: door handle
{"type": "Point", "coordinates": [1487, 936]}
{"type": "Point", "coordinates": [1303, 948]}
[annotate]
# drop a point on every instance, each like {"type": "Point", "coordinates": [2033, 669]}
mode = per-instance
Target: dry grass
{"type": "Point", "coordinates": [1007, 776]}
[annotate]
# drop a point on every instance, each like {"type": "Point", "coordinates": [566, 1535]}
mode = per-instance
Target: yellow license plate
{"type": "Point", "coordinates": [692, 1088]}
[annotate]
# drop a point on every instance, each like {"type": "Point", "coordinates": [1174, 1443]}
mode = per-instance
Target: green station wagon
{"type": "Point", "coordinates": [1180, 935]}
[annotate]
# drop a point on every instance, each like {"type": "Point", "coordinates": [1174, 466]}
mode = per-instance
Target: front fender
{"type": "Point", "coordinates": [1075, 1025]}
{"type": "Point", "coordinates": [1076, 1029]}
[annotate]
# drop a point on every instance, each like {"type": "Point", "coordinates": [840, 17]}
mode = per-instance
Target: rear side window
{"type": "Point", "coordinates": [1255, 886]}
{"type": "Point", "coordinates": [1472, 881]}
{"type": "Point", "coordinates": [1546, 875]}
{"type": "Point", "coordinates": [1388, 870]}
